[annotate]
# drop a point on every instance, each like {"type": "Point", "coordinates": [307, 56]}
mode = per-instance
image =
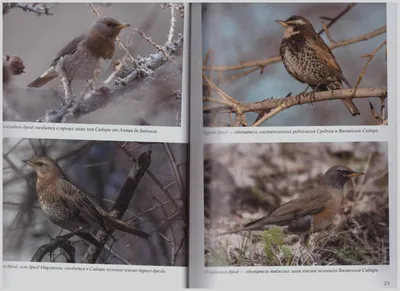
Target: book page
{"type": "Point", "coordinates": [298, 184]}
{"type": "Point", "coordinates": [95, 133]}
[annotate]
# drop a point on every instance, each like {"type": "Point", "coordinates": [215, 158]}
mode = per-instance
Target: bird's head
{"type": "Point", "coordinates": [295, 25]}
{"type": "Point", "coordinates": [44, 167]}
{"type": "Point", "coordinates": [107, 27]}
{"type": "Point", "coordinates": [338, 176]}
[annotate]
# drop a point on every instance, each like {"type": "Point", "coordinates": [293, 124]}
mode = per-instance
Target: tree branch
{"type": "Point", "coordinates": [121, 204]}
{"type": "Point", "coordinates": [277, 105]}
{"type": "Point", "coordinates": [64, 244]}
{"type": "Point", "coordinates": [158, 183]}
{"type": "Point", "coordinates": [261, 64]}
{"type": "Point", "coordinates": [101, 97]}
{"type": "Point", "coordinates": [37, 8]}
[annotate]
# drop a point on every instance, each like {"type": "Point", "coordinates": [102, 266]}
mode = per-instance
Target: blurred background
{"type": "Point", "coordinates": [243, 182]}
{"type": "Point", "coordinates": [37, 40]}
{"type": "Point", "coordinates": [100, 169]}
{"type": "Point", "coordinates": [247, 32]}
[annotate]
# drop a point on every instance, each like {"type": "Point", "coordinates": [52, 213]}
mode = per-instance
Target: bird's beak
{"type": "Point", "coordinates": [121, 26]}
{"type": "Point", "coordinates": [355, 174]}
{"type": "Point", "coordinates": [29, 163]}
{"type": "Point", "coordinates": [281, 22]}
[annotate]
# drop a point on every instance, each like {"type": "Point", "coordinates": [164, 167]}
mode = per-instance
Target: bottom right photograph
{"type": "Point", "coordinates": [296, 204]}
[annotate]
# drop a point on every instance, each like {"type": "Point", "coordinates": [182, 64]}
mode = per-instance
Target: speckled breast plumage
{"type": "Point", "coordinates": [303, 64]}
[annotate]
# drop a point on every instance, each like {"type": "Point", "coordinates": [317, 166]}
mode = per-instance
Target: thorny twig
{"type": "Point", "coordinates": [37, 8]}
{"type": "Point", "coordinates": [104, 95]}
{"type": "Point", "coordinates": [179, 7]}
{"type": "Point", "coordinates": [172, 25]}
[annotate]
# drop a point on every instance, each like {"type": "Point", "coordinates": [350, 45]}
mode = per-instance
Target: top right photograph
{"type": "Point", "coordinates": [294, 64]}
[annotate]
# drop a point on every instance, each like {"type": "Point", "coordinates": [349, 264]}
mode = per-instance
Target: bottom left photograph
{"type": "Point", "coordinates": [94, 202]}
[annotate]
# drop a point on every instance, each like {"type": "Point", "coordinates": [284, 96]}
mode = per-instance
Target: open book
{"type": "Point", "coordinates": [199, 145]}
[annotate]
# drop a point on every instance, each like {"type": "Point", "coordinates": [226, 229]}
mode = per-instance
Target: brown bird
{"type": "Point", "coordinates": [67, 206]}
{"type": "Point", "coordinates": [313, 211]}
{"type": "Point", "coordinates": [84, 56]}
{"type": "Point", "coordinates": [309, 60]}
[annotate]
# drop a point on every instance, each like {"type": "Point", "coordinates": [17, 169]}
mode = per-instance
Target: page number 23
{"type": "Point", "coordinates": [386, 283]}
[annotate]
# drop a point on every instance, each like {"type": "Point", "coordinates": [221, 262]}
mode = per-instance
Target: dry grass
{"type": "Point", "coordinates": [243, 182]}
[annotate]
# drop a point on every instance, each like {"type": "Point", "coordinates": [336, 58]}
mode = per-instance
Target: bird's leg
{"type": "Point", "coordinates": [68, 96]}
{"type": "Point", "coordinates": [312, 94]}
{"type": "Point", "coordinates": [303, 93]}
{"type": "Point", "coordinates": [310, 232]}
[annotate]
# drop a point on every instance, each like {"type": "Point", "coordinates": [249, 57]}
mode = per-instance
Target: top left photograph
{"type": "Point", "coordinates": [94, 63]}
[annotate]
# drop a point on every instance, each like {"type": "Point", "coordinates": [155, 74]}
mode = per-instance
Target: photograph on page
{"type": "Point", "coordinates": [294, 64]}
{"type": "Point", "coordinates": [297, 204]}
{"type": "Point", "coordinates": [94, 202]}
{"type": "Point", "coordinates": [93, 63]}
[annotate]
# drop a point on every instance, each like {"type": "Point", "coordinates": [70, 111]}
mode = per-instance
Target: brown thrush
{"type": "Point", "coordinates": [309, 60]}
{"type": "Point", "coordinates": [313, 211]}
{"type": "Point", "coordinates": [84, 56]}
{"type": "Point", "coordinates": [66, 206]}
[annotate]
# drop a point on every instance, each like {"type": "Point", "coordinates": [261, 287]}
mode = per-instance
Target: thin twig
{"type": "Point", "coordinates": [118, 40]}
{"type": "Point", "coordinates": [263, 63]}
{"type": "Point", "coordinates": [174, 166]}
{"type": "Point", "coordinates": [172, 24]}
{"type": "Point", "coordinates": [153, 177]}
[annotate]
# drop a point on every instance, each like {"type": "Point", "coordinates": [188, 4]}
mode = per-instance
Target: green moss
{"type": "Point", "coordinates": [275, 249]}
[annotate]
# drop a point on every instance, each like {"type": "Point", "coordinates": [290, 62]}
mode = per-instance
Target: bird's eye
{"type": "Point", "coordinates": [345, 171]}
{"type": "Point", "coordinates": [39, 164]}
{"type": "Point", "coordinates": [109, 23]}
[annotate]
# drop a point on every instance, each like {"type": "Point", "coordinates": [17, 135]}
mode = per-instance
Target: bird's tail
{"type": "Point", "coordinates": [39, 82]}
{"type": "Point", "coordinates": [90, 239]}
{"type": "Point", "coordinates": [113, 223]}
{"type": "Point", "coordinates": [46, 77]}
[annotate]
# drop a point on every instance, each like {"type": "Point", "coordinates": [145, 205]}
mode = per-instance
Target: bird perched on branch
{"type": "Point", "coordinates": [84, 56]}
{"type": "Point", "coordinates": [66, 206]}
{"type": "Point", "coordinates": [313, 211]}
{"type": "Point", "coordinates": [308, 59]}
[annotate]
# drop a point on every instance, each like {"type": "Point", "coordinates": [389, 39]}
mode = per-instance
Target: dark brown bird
{"type": "Point", "coordinates": [84, 56]}
{"type": "Point", "coordinates": [313, 211]}
{"type": "Point", "coordinates": [66, 206]}
{"type": "Point", "coordinates": [309, 60]}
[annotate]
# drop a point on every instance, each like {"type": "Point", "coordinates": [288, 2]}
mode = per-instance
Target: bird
{"type": "Point", "coordinates": [313, 211]}
{"type": "Point", "coordinates": [69, 208]}
{"type": "Point", "coordinates": [308, 59]}
{"type": "Point", "coordinates": [84, 56]}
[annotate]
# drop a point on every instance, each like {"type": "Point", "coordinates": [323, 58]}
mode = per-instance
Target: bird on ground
{"type": "Point", "coordinates": [69, 208]}
{"type": "Point", "coordinates": [84, 56]}
{"type": "Point", "coordinates": [309, 60]}
{"type": "Point", "coordinates": [313, 211]}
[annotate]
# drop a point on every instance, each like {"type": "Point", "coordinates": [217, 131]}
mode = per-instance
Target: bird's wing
{"type": "Point", "coordinates": [324, 53]}
{"type": "Point", "coordinates": [309, 203]}
{"type": "Point", "coordinates": [75, 200]}
{"type": "Point", "coordinates": [69, 49]}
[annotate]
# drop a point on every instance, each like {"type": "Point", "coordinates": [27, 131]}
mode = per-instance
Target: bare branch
{"type": "Point", "coordinates": [261, 64]}
{"type": "Point", "coordinates": [37, 8]}
{"type": "Point", "coordinates": [154, 178]}
{"type": "Point", "coordinates": [121, 204]}
{"type": "Point", "coordinates": [101, 97]}
{"type": "Point", "coordinates": [279, 104]}
{"type": "Point", "coordinates": [172, 25]}
{"type": "Point", "coordinates": [65, 245]}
